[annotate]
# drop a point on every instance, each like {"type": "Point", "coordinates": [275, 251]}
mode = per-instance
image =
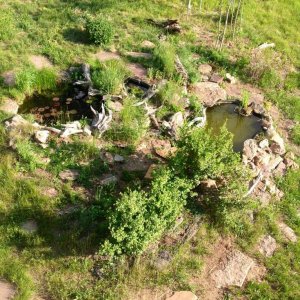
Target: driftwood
{"type": "Point", "coordinates": [182, 71]}
{"type": "Point", "coordinates": [101, 120]}
{"type": "Point", "coordinates": [171, 26]}
{"type": "Point", "coordinates": [254, 185]}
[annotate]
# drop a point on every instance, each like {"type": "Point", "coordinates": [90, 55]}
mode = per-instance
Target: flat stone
{"type": "Point", "coordinates": [250, 148]}
{"type": "Point", "coordinates": [69, 175]}
{"type": "Point", "coordinates": [205, 69]}
{"type": "Point", "coordinates": [107, 55]}
{"type": "Point", "coordinates": [119, 158]}
{"type": "Point", "coordinates": [49, 192]}
{"type": "Point", "coordinates": [30, 226]}
{"type": "Point", "coordinates": [40, 61]}
{"type": "Point", "coordinates": [234, 270]}
{"type": "Point", "coordinates": [264, 144]}
{"type": "Point", "coordinates": [9, 106]}
{"type": "Point", "coordinates": [288, 232]}
{"type": "Point", "coordinates": [163, 148]}
{"type": "Point", "coordinates": [209, 93]}
{"type": "Point", "coordinates": [138, 54]}
{"type": "Point", "coordinates": [7, 290]}
{"type": "Point", "coordinates": [115, 105]}
{"type": "Point", "coordinates": [176, 122]}
{"type": "Point", "coordinates": [216, 78]}
{"type": "Point", "coordinates": [109, 179]}
{"type": "Point", "coordinates": [267, 246]}
{"type": "Point", "coordinates": [137, 70]}
{"type": "Point", "coordinates": [183, 295]}
{"type": "Point", "coordinates": [16, 121]}
{"type": "Point", "coordinates": [148, 44]}
{"type": "Point", "coordinates": [9, 78]}
{"type": "Point", "coordinates": [41, 136]}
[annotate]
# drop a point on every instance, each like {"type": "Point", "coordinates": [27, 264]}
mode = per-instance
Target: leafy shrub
{"type": "Point", "coordinates": [132, 124]}
{"type": "Point", "coordinates": [139, 218]}
{"type": "Point", "coordinates": [109, 76]}
{"type": "Point", "coordinates": [164, 59]}
{"type": "Point", "coordinates": [100, 30]}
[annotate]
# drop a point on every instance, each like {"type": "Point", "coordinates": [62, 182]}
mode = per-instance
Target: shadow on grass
{"type": "Point", "coordinates": [76, 36]}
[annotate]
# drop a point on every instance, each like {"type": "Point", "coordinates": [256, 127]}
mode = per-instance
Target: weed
{"type": "Point", "coordinates": [245, 99]}
{"type": "Point", "coordinates": [164, 59]}
{"type": "Point", "coordinates": [109, 76]}
{"type": "Point", "coordinates": [296, 134]}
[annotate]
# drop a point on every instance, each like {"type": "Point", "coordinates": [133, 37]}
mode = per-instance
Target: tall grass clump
{"type": "Point", "coordinates": [7, 25]}
{"type": "Point", "coordinates": [100, 30]}
{"type": "Point", "coordinates": [164, 59]}
{"type": "Point", "coordinates": [109, 76]}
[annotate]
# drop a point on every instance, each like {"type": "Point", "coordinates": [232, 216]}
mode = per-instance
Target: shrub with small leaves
{"type": "Point", "coordinates": [100, 30]}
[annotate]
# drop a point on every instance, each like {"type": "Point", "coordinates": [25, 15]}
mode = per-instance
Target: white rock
{"type": "Point", "coordinates": [234, 271]}
{"type": "Point", "coordinates": [183, 295]}
{"type": "Point", "coordinates": [9, 106]}
{"type": "Point", "coordinates": [177, 121]}
{"type": "Point", "coordinates": [109, 179]}
{"type": "Point", "coordinates": [288, 232]}
{"type": "Point", "coordinates": [118, 158]}
{"type": "Point", "coordinates": [41, 136]}
{"type": "Point", "coordinates": [264, 144]}
{"type": "Point", "coordinates": [205, 69]}
{"type": "Point", "coordinates": [267, 246]}
{"type": "Point", "coordinates": [69, 175]}
{"type": "Point", "coordinates": [148, 44]}
{"type": "Point", "coordinates": [250, 148]}
{"type": "Point", "coordinates": [7, 291]}
{"type": "Point", "coordinates": [231, 79]}
{"type": "Point", "coordinates": [87, 130]}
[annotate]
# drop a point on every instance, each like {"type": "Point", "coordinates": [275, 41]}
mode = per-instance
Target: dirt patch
{"type": "Point", "coordinates": [40, 62]}
{"type": "Point", "coordinates": [150, 294]}
{"type": "Point", "coordinates": [7, 290]}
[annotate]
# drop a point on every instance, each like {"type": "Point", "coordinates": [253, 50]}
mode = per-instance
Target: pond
{"type": "Point", "coordinates": [242, 127]}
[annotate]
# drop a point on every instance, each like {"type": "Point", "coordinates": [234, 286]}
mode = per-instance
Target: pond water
{"type": "Point", "coordinates": [242, 127]}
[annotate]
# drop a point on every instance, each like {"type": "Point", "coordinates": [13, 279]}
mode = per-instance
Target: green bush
{"type": "Point", "coordinates": [140, 218]}
{"type": "Point", "coordinates": [100, 30]}
{"type": "Point", "coordinates": [109, 76]}
{"type": "Point", "coordinates": [269, 79]}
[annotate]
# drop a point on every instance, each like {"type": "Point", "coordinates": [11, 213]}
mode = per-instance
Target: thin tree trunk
{"type": "Point", "coordinates": [236, 18]}
{"type": "Point", "coordinates": [200, 6]}
{"type": "Point", "coordinates": [189, 7]}
{"type": "Point", "coordinates": [220, 24]}
{"type": "Point", "coordinates": [225, 26]}
{"type": "Point", "coordinates": [232, 15]}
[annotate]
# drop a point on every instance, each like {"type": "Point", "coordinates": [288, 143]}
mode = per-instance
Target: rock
{"type": "Point", "coordinates": [234, 271]}
{"type": "Point", "coordinates": [41, 136]}
{"type": "Point", "coordinates": [216, 78]}
{"type": "Point", "coordinates": [277, 146]}
{"type": "Point", "coordinates": [139, 54]}
{"type": "Point", "coordinates": [231, 79]}
{"type": "Point", "coordinates": [250, 148]}
{"type": "Point", "coordinates": [69, 175]}
{"type": "Point", "coordinates": [115, 106]}
{"type": "Point", "coordinates": [9, 78]}
{"type": "Point", "coordinates": [71, 128]}
{"type": "Point", "coordinates": [163, 259]}
{"type": "Point", "coordinates": [209, 93]}
{"type": "Point", "coordinates": [163, 148]}
{"type": "Point", "coordinates": [137, 70]}
{"type": "Point", "coordinates": [275, 162]}
{"type": "Point", "coordinates": [176, 122]}
{"type": "Point", "coordinates": [258, 108]}
{"type": "Point", "coordinates": [109, 179]}
{"type": "Point", "coordinates": [30, 226]}
{"type": "Point", "coordinates": [290, 163]}
{"type": "Point", "coordinates": [280, 169]}
{"type": "Point", "coordinates": [148, 44]}
{"type": "Point", "coordinates": [183, 295]}
{"type": "Point", "coordinates": [267, 246]}
{"type": "Point", "coordinates": [264, 144]}
{"type": "Point", "coordinates": [118, 158]}
{"type": "Point", "coordinates": [49, 192]}
{"type": "Point", "coordinates": [40, 62]}
{"type": "Point", "coordinates": [107, 157]}
{"type": "Point", "coordinates": [16, 121]}
{"type": "Point", "coordinates": [204, 78]}
{"type": "Point", "coordinates": [205, 69]}
{"type": "Point", "coordinates": [150, 171]}
{"type": "Point", "coordinates": [7, 291]}
{"type": "Point", "coordinates": [107, 55]}
{"type": "Point", "coordinates": [87, 130]}
{"type": "Point", "coordinates": [9, 106]}
{"type": "Point", "coordinates": [288, 232]}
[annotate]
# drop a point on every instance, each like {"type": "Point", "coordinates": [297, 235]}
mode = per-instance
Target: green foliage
{"type": "Point", "coordinates": [7, 24]}
{"type": "Point", "coordinates": [269, 79]}
{"type": "Point", "coordinates": [164, 59]}
{"type": "Point", "coordinates": [132, 124]}
{"type": "Point", "coordinates": [296, 134]}
{"type": "Point", "coordinates": [31, 80]}
{"type": "Point", "coordinates": [245, 99]}
{"type": "Point", "coordinates": [140, 218]}
{"type": "Point", "coordinates": [292, 81]}
{"type": "Point", "coordinates": [109, 76]}
{"type": "Point", "coordinates": [100, 30]}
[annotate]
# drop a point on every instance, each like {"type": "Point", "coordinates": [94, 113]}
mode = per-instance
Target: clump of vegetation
{"type": "Point", "coordinates": [140, 218]}
{"type": "Point", "coordinates": [296, 134]}
{"type": "Point", "coordinates": [164, 59]}
{"type": "Point", "coordinates": [31, 80]}
{"type": "Point", "coordinates": [292, 81]}
{"type": "Point", "coordinates": [132, 124]}
{"type": "Point", "coordinates": [269, 79]}
{"type": "Point", "coordinates": [245, 99]}
{"type": "Point", "coordinates": [7, 24]}
{"type": "Point", "coordinates": [109, 76]}
{"type": "Point", "coordinates": [100, 30]}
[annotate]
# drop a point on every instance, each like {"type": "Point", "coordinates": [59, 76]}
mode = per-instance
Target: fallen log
{"type": "Point", "coordinates": [171, 26]}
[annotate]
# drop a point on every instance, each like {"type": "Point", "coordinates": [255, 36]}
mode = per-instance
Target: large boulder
{"type": "Point", "coordinates": [9, 106]}
{"type": "Point", "coordinates": [209, 93]}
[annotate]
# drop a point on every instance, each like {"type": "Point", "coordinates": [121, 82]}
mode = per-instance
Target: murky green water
{"type": "Point", "coordinates": [241, 127]}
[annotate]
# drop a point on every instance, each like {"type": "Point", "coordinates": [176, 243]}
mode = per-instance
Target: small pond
{"type": "Point", "coordinates": [242, 127]}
